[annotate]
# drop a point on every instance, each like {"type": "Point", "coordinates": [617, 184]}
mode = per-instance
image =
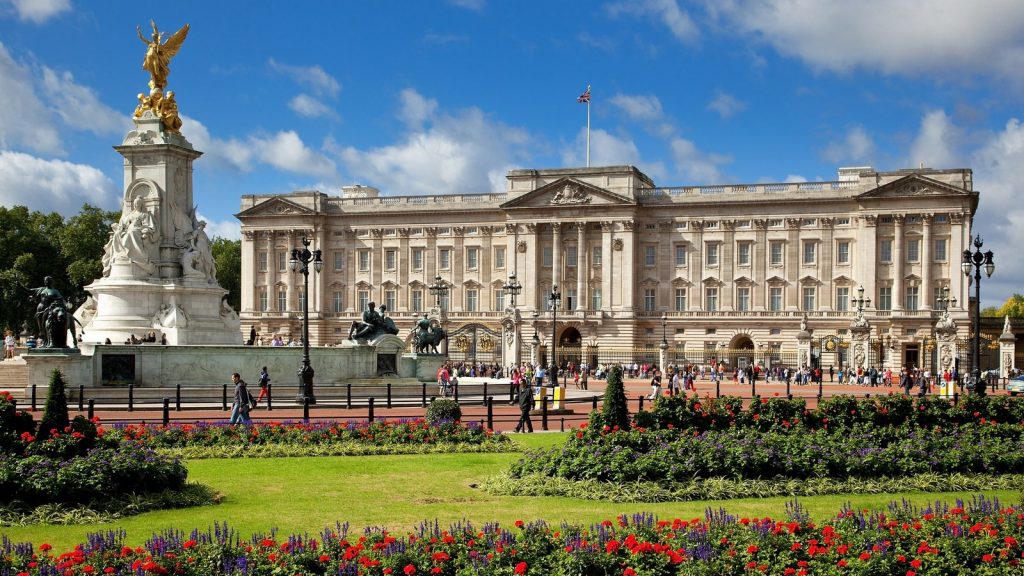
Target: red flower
{"type": "Point", "coordinates": [521, 568]}
{"type": "Point", "coordinates": [752, 549]}
{"type": "Point", "coordinates": [987, 558]}
{"type": "Point", "coordinates": [629, 572]}
{"type": "Point", "coordinates": [915, 563]}
{"type": "Point", "coordinates": [519, 523]}
{"type": "Point", "coordinates": [865, 556]}
{"type": "Point", "coordinates": [409, 569]}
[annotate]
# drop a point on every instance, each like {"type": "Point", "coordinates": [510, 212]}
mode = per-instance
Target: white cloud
{"type": "Point", "coordinates": [999, 171]}
{"type": "Point", "coordinates": [416, 109]}
{"type": "Point", "coordinates": [605, 150]}
{"type": "Point", "coordinates": [856, 146]}
{"type": "Point", "coordinates": [914, 37]}
{"type": "Point", "coordinates": [53, 185]}
{"type": "Point", "coordinates": [287, 151]}
{"type": "Point", "coordinates": [450, 153]}
{"type": "Point", "coordinates": [314, 78]}
{"type": "Point", "coordinates": [79, 106]}
{"type": "Point", "coordinates": [24, 120]}
{"type": "Point", "coordinates": [310, 107]}
{"type": "Point", "coordinates": [281, 150]}
{"type": "Point", "coordinates": [639, 107]}
{"type": "Point", "coordinates": [934, 144]}
{"type": "Point", "coordinates": [39, 11]}
{"type": "Point", "coordinates": [726, 104]}
{"type": "Point", "coordinates": [227, 229]}
{"type": "Point", "coordinates": [668, 12]}
{"type": "Point", "coordinates": [695, 165]}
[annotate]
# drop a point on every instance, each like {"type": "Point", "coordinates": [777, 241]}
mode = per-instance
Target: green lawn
{"type": "Point", "coordinates": [307, 494]}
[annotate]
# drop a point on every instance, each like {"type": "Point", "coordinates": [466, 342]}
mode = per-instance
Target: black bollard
{"type": "Point", "coordinates": [718, 388]}
{"type": "Point", "coordinates": [490, 413]}
{"type": "Point", "coordinates": [640, 404]}
{"type": "Point", "coordinates": [456, 388]}
{"type": "Point", "coordinates": [753, 388]}
{"type": "Point", "coordinates": [81, 397]}
{"type": "Point", "coordinates": [167, 411]}
{"type": "Point", "coordinates": [92, 408]}
{"type": "Point", "coordinates": [389, 394]}
{"type": "Point", "coordinates": [956, 398]}
{"type": "Point", "coordinates": [177, 397]}
{"type": "Point", "coordinates": [224, 398]}
{"type": "Point", "coordinates": [131, 397]}
{"type": "Point", "coordinates": [305, 409]}
{"type": "Point", "coordinates": [348, 396]}
{"type": "Point", "coordinates": [821, 387]}
{"type": "Point", "coordinates": [484, 399]}
{"type": "Point", "coordinates": [788, 393]}
{"type": "Point", "coordinates": [33, 397]}
{"type": "Point", "coordinates": [544, 412]}
{"type": "Point", "coordinates": [561, 425]}
{"type": "Point", "coordinates": [370, 417]}
{"type": "Point", "coordinates": [423, 397]}
{"type": "Point", "coordinates": [270, 398]}
{"type": "Point", "coordinates": [593, 402]}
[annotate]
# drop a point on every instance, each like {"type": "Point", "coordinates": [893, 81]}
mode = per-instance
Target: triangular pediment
{"type": "Point", "coordinates": [680, 281]}
{"type": "Point", "coordinates": [911, 186]}
{"type": "Point", "coordinates": [842, 279]}
{"type": "Point", "coordinates": [743, 281]}
{"type": "Point", "coordinates": [808, 279]}
{"type": "Point", "coordinates": [275, 206]}
{"type": "Point", "coordinates": [776, 280]}
{"type": "Point", "coordinates": [568, 193]}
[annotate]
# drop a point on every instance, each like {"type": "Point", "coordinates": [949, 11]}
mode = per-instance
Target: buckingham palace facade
{"type": "Point", "coordinates": [733, 270]}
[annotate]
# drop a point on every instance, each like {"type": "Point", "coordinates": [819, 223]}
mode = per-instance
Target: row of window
{"type": "Point", "coordinates": [416, 257]}
{"type": "Point", "coordinates": [808, 301]}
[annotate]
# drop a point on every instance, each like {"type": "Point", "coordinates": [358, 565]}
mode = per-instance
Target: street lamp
{"type": "Point", "coordinates": [514, 287]}
{"type": "Point", "coordinates": [861, 302]}
{"type": "Point", "coordinates": [535, 341]}
{"type": "Point", "coordinates": [973, 261]}
{"type": "Point", "coordinates": [554, 298]}
{"type": "Point", "coordinates": [299, 262]}
{"type": "Point", "coordinates": [438, 289]}
{"type": "Point", "coordinates": [664, 327]}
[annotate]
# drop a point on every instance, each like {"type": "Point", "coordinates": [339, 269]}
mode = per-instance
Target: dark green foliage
{"type": "Point", "coordinates": [55, 415]}
{"type": "Point", "coordinates": [227, 254]}
{"type": "Point", "coordinates": [443, 410]}
{"type": "Point", "coordinates": [614, 411]}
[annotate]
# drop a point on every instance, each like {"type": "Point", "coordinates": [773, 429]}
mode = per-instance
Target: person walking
{"type": "Point", "coordinates": [242, 401]}
{"type": "Point", "coordinates": [264, 382]}
{"type": "Point", "coordinates": [525, 405]}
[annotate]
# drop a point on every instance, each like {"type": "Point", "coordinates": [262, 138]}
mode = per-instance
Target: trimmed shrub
{"type": "Point", "coordinates": [443, 410]}
{"type": "Point", "coordinates": [55, 415]}
{"type": "Point", "coordinates": [614, 410]}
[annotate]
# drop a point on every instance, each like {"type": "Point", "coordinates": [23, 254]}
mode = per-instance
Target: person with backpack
{"type": "Point", "coordinates": [243, 401]}
{"type": "Point", "coordinates": [264, 382]}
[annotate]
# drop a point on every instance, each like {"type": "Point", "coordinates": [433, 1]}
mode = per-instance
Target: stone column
{"type": "Point", "coordinates": [627, 271]}
{"type": "Point", "coordinates": [581, 269]}
{"type": "Point", "coordinates": [530, 276]}
{"type": "Point", "coordinates": [607, 229]}
{"type": "Point", "coordinates": [292, 297]}
{"type": "Point", "coordinates": [556, 253]}
{"type": "Point", "coordinates": [897, 264]}
{"type": "Point", "coordinates": [926, 262]}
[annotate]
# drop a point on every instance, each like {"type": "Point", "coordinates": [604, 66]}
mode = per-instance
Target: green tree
{"type": "Point", "coordinates": [81, 241]}
{"type": "Point", "coordinates": [55, 415]}
{"type": "Point", "coordinates": [29, 254]}
{"type": "Point", "coordinates": [1013, 307]}
{"type": "Point", "coordinates": [227, 254]}
{"type": "Point", "coordinates": [614, 410]}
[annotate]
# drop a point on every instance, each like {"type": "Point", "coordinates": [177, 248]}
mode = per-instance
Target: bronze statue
{"type": "Point", "coordinates": [51, 314]}
{"type": "Point", "coordinates": [373, 324]}
{"type": "Point", "coordinates": [158, 55]}
{"type": "Point", "coordinates": [427, 336]}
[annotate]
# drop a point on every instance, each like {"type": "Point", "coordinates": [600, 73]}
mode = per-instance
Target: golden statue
{"type": "Point", "coordinates": [158, 56]}
{"type": "Point", "coordinates": [169, 113]}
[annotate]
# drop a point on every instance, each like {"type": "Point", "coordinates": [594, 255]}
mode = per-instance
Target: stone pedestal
{"type": "Point", "coordinates": [1007, 349]}
{"type": "Point", "coordinates": [159, 274]}
{"type": "Point", "coordinates": [803, 348]}
{"type": "Point", "coordinates": [860, 337]}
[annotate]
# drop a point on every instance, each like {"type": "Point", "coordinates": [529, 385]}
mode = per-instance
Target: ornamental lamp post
{"type": "Point", "coordinates": [973, 261]}
{"type": "Point", "coordinates": [535, 341]}
{"type": "Point", "coordinates": [438, 289]}
{"type": "Point", "coordinates": [554, 298]}
{"type": "Point", "coordinates": [861, 302]}
{"type": "Point", "coordinates": [663, 359]}
{"type": "Point", "coordinates": [514, 288]}
{"type": "Point", "coordinates": [299, 262]}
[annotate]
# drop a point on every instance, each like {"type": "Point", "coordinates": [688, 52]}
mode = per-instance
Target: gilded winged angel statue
{"type": "Point", "coordinates": [158, 55]}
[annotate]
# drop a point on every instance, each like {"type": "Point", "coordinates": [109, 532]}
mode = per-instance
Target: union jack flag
{"type": "Point", "coordinates": [585, 97]}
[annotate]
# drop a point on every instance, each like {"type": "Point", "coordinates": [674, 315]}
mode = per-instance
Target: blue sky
{"type": "Point", "coordinates": [424, 97]}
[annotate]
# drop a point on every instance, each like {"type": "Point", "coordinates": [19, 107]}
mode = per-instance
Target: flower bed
{"type": "Point", "coordinates": [77, 466]}
{"type": "Point", "coordinates": [977, 537]}
{"type": "Point", "coordinates": [320, 438]}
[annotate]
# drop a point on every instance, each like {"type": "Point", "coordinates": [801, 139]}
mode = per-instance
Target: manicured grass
{"type": "Point", "coordinates": [307, 494]}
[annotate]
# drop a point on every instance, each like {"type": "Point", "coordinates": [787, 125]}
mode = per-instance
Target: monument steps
{"type": "Point", "coordinates": [14, 377]}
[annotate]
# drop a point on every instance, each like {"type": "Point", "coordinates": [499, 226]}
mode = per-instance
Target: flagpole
{"type": "Point", "coordinates": [588, 130]}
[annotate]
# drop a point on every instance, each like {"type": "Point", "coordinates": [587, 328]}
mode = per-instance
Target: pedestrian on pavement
{"type": "Point", "coordinates": [264, 382]}
{"type": "Point", "coordinates": [243, 401]}
{"type": "Point", "coordinates": [525, 405]}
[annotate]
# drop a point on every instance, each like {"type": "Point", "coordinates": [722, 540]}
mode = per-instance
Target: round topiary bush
{"type": "Point", "coordinates": [443, 410]}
